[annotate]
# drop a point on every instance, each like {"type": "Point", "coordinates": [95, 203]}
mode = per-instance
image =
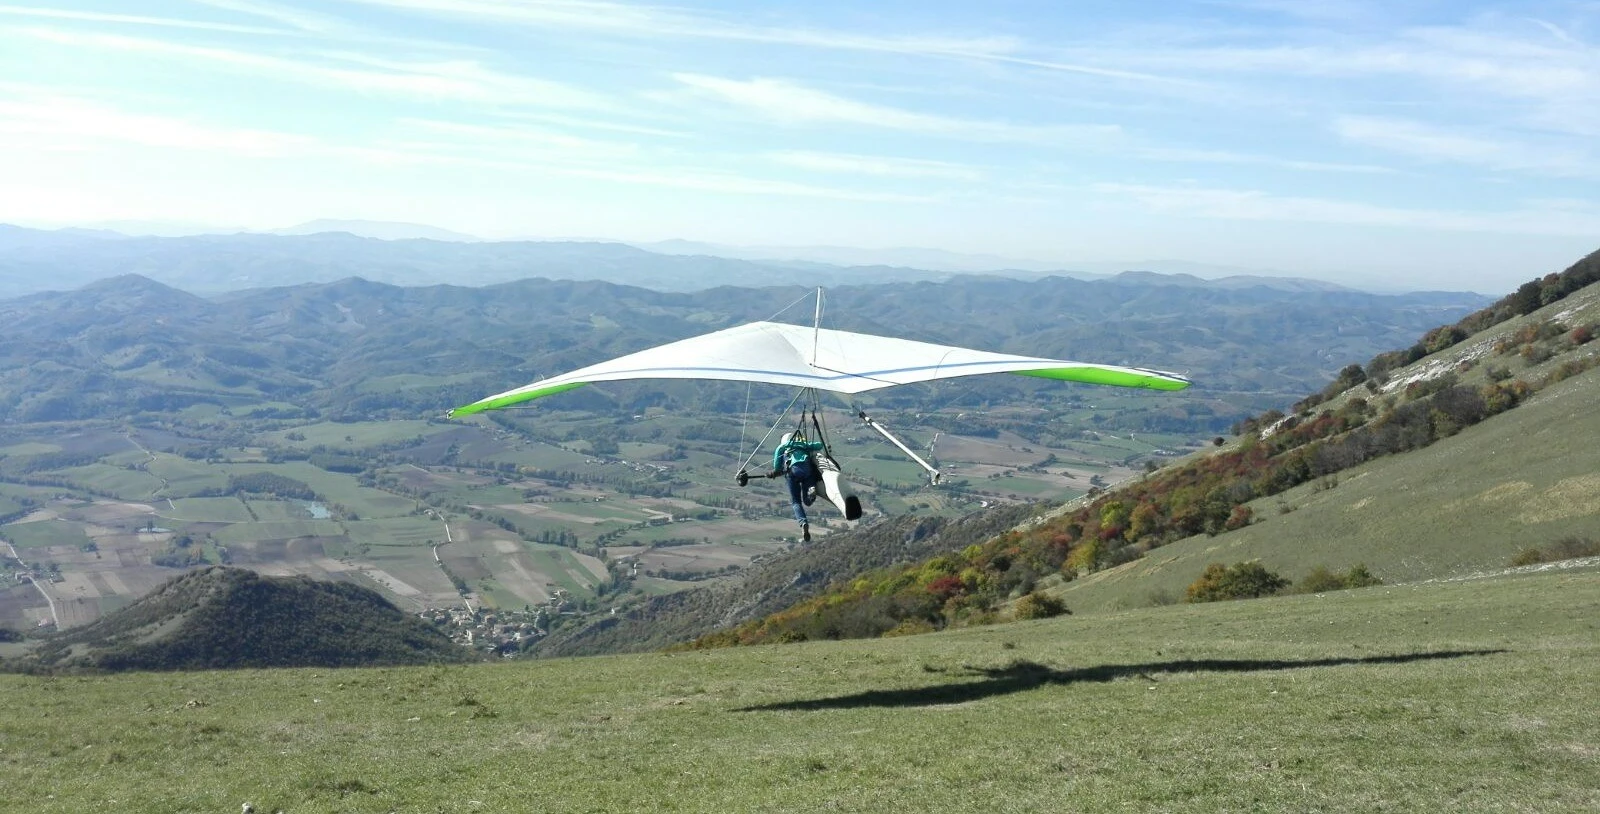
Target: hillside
{"type": "Point", "coordinates": [1444, 697]}
{"type": "Point", "coordinates": [1465, 505]}
{"type": "Point", "coordinates": [230, 618]}
{"type": "Point", "coordinates": [1448, 457]}
{"type": "Point", "coordinates": [782, 581]}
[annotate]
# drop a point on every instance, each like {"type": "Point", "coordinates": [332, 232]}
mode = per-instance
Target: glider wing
{"type": "Point", "coordinates": [840, 361]}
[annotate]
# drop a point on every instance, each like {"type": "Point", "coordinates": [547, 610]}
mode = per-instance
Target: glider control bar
{"type": "Point", "coordinates": [933, 474]}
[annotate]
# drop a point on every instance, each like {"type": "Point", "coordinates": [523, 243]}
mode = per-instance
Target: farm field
{"type": "Point", "coordinates": [138, 500]}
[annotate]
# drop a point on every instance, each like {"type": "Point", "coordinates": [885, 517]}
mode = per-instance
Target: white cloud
{"type": "Point", "coordinates": [1320, 11]}
{"type": "Point", "coordinates": [1433, 143]}
{"type": "Point", "coordinates": [464, 80]}
{"type": "Point", "coordinates": [878, 166]}
{"type": "Point", "coordinates": [659, 21]}
{"type": "Point", "coordinates": [292, 17]}
{"type": "Point", "coordinates": [474, 137]}
{"type": "Point", "coordinates": [131, 19]}
{"type": "Point", "coordinates": [1182, 155]}
{"type": "Point", "coordinates": [578, 123]}
{"type": "Point", "coordinates": [1255, 205]}
{"type": "Point", "coordinates": [791, 103]}
{"type": "Point", "coordinates": [715, 181]}
{"type": "Point", "coordinates": [531, 149]}
{"type": "Point", "coordinates": [64, 118]}
{"type": "Point", "coordinates": [1487, 58]}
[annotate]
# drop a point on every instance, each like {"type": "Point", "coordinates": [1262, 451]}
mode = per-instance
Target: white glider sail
{"type": "Point", "coordinates": [821, 359]}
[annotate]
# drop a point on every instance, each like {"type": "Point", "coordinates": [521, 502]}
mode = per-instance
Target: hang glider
{"type": "Point", "coordinates": [816, 358]}
{"type": "Point", "coordinates": [820, 359]}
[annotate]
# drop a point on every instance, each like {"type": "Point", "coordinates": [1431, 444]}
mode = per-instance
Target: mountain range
{"type": "Point", "coordinates": [130, 340]}
{"type": "Point", "coordinates": [33, 260]}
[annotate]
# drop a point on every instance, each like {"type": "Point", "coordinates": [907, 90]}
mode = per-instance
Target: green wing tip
{"type": "Point", "coordinates": [1132, 377]}
{"type": "Point", "coordinates": [497, 402]}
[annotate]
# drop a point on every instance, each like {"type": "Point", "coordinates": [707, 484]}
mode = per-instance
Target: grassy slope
{"type": "Point", "coordinates": [1439, 697]}
{"type": "Point", "coordinates": [1466, 503]}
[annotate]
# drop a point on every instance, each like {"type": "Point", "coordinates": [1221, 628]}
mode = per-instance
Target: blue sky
{"type": "Point", "coordinates": [1417, 144]}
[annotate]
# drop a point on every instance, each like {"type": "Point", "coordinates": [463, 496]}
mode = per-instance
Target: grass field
{"type": "Point", "coordinates": [272, 511]}
{"type": "Point", "coordinates": [28, 448]}
{"type": "Point", "coordinates": [281, 530]}
{"type": "Point", "coordinates": [336, 487]}
{"type": "Point", "coordinates": [410, 381]}
{"type": "Point", "coordinates": [396, 531]}
{"type": "Point", "coordinates": [124, 484]}
{"type": "Point", "coordinates": [44, 533]}
{"type": "Point", "coordinates": [355, 435]}
{"type": "Point", "coordinates": [183, 476]}
{"type": "Point", "coordinates": [1433, 698]}
{"type": "Point", "coordinates": [208, 509]}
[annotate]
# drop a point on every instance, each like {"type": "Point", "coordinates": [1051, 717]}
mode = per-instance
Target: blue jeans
{"type": "Point", "coordinates": [801, 476]}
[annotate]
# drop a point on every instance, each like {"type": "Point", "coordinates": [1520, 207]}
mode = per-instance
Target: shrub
{"type": "Point", "coordinates": [910, 627]}
{"type": "Point", "coordinates": [1320, 580]}
{"type": "Point", "coordinates": [1160, 597]}
{"type": "Point", "coordinates": [1039, 606]}
{"type": "Point", "coordinates": [1566, 548]}
{"type": "Point", "coordinates": [945, 587]}
{"type": "Point", "coordinates": [1527, 556]}
{"type": "Point", "coordinates": [1245, 580]}
{"type": "Point", "coordinates": [1239, 518]}
{"type": "Point", "coordinates": [1360, 577]}
{"type": "Point", "coordinates": [1571, 548]}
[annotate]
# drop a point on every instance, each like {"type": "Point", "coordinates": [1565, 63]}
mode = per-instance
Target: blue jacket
{"type": "Point", "coordinates": [787, 455]}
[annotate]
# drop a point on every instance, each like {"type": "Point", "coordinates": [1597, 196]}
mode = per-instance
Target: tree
{"type": "Point", "coordinates": [1245, 580]}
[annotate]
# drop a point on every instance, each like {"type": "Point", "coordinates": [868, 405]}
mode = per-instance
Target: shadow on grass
{"type": "Point", "coordinates": [1020, 676]}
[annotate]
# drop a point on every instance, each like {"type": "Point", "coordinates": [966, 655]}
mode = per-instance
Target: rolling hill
{"type": "Point", "coordinates": [229, 618]}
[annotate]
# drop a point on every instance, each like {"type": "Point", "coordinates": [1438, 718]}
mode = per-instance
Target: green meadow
{"type": "Point", "coordinates": [1445, 697]}
{"type": "Point", "coordinates": [209, 509]}
{"type": "Point", "coordinates": [44, 533]}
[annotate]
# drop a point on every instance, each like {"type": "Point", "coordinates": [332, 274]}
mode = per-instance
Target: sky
{"type": "Point", "coordinates": [1430, 144]}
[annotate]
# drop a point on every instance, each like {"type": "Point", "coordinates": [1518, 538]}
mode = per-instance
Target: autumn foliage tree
{"type": "Point", "coordinates": [1245, 580]}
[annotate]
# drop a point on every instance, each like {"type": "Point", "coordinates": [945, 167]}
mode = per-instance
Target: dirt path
{"type": "Point", "coordinates": [448, 539]}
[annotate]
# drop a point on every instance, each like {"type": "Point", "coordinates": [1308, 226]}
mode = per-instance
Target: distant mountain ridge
{"type": "Point", "coordinates": [379, 230]}
{"type": "Point", "coordinates": [231, 618]}
{"type": "Point", "coordinates": [33, 260]}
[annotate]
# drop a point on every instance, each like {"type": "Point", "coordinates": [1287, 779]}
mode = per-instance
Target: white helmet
{"type": "Point", "coordinates": [787, 437]}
